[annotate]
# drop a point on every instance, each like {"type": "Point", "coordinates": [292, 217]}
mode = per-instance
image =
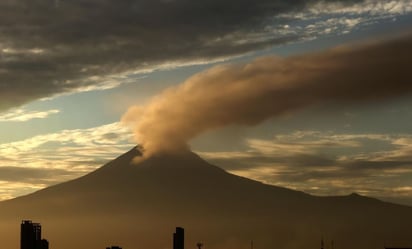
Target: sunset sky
{"type": "Point", "coordinates": [77, 77]}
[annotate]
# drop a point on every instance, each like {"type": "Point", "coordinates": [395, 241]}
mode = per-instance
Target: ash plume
{"type": "Point", "coordinates": [248, 94]}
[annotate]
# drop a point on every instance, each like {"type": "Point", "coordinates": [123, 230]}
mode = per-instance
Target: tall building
{"type": "Point", "coordinates": [179, 238]}
{"type": "Point", "coordinates": [30, 236]}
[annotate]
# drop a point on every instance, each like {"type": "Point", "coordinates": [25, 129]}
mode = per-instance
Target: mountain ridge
{"type": "Point", "coordinates": [167, 190]}
{"type": "Point", "coordinates": [126, 161]}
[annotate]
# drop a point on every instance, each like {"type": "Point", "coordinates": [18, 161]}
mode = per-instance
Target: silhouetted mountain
{"type": "Point", "coordinates": [137, 203]}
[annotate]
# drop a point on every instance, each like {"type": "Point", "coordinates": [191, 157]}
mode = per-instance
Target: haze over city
{"type": "Point", "coordinates": [311, 95]}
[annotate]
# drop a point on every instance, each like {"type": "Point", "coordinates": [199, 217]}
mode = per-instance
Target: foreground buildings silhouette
{"type": "Point", "coordinates": [179, 238]}
{"type": "Point", "coordinates": [114, 247]}
{"type": "Point", "coordinates": [30, 236]}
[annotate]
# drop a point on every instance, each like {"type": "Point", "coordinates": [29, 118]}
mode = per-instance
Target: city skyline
{"type": "Point", "coordinates": [31, 237]}
{"type": "Point", "coordinates": [30, 231]}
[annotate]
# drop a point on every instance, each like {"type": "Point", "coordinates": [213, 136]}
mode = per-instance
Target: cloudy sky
{"type": "Point", "coordinates": [310, 95]}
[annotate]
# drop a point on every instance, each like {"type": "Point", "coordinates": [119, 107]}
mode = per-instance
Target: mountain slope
{"type": "Point", "coordinates": [137, 204]}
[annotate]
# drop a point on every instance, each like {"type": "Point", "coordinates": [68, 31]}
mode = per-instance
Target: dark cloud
{"type": "Point", "coordinates": [49, 48]}
{"type": "Point", "coordinates": [303, 167]}
{"type": "Point", "coordinates": [376, 166]}
{"type": "Point", "coordinates": [252, 160]}
{"type": "Point", "coordinates": [111, 136]}
{"type": "Point", "coordinates": [345, 170]}
{"type": "Point", "coordinates": [321, 175]}
{"type": "Point", "coordinates": [35, 175]}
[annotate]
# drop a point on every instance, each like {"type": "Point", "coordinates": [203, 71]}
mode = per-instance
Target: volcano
{"type": "Point", "coordinates": [136, 202]}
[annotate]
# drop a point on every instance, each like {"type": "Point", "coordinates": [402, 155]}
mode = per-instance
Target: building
{"type": "Point", "coordinates": [179, 238]}
{"type": "Point", "coordinates": [114, 247]}
{"type": "Point", "coordinates": [30, 236]}
{"type": "Point", "coordinates": [43, 244]}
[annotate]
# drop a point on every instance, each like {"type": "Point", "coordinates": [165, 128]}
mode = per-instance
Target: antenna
{"type": "Point", "coordinates": [251, 244]}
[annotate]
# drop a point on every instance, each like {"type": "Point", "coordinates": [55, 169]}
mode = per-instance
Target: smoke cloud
{"type": "Point", "coordinates": [248, 94]}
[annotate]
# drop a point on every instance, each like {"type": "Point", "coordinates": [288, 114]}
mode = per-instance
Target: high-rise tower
{"type": "Point", "coordinates": [179, 238]}
{"type": "Point", "coordinates": [30, 236]}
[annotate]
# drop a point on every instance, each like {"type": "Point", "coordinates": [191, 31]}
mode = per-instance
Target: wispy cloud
{"type": "Point", "coordinates": [47, 159]}
{"type": "Point", "coordinates": [378, 8]}
{"type": "Point", "coordinates": [327, 163]}
{"type": "Point", "coordinates": [21, 115]}
{"type": "Point", "coordinates": [12, 189]}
